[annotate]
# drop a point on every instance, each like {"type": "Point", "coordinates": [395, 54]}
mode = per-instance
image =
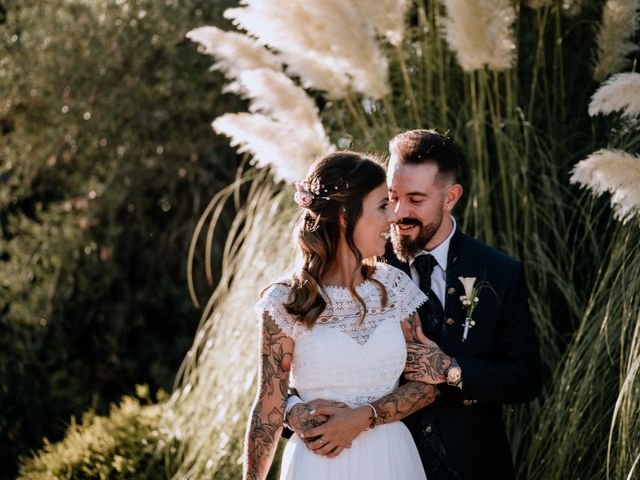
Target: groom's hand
{"type": "Point", "coordinates": [337, 433]}
{"type": "Point", "coordinates": [300, 418]}
{"type": "Point", "coordinates": [426, 362]}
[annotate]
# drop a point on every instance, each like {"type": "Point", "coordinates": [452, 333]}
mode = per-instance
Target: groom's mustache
{"type": "Point", "coordinates": [409, 221]}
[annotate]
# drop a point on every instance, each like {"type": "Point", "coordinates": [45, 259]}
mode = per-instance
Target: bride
{"type": "Point", "coordinates": [337, 329]}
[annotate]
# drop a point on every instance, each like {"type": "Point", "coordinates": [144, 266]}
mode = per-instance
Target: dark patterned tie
{"type": "Point", "coordinates": [431, 313]}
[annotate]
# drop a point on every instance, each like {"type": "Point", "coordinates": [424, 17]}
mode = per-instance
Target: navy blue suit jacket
{"type": "Point", "coordinates": [500, 359]}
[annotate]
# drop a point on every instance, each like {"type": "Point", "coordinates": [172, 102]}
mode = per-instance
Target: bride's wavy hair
{"type": "Point", "coordinates": [336, 186]}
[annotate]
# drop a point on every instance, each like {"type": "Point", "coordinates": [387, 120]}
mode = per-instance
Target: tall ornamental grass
{"type": "Point", "coordinates": [512, 83]}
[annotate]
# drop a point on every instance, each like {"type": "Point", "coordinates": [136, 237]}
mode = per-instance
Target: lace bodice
{"type": "Point", "coordinates": [341, 357]}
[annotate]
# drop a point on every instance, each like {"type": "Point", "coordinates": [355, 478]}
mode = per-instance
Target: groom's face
{"type": "Point", "coordinates": [417, 196]}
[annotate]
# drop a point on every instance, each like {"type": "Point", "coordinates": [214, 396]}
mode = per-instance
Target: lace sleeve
{"type": "Point", "coordinates": [403, 294]}
{"type": "Point", "coordinates": [273, 302]}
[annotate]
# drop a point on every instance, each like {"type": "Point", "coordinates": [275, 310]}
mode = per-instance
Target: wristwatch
{"type": "Point", "coordinates": [453, 374]}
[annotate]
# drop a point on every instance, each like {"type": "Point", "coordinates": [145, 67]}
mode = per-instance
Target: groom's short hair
{"type": "Point", "coordinates": [420, 146]}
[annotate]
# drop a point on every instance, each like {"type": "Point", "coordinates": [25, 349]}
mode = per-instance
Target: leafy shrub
{"type": "Point", "coordinates": [128, 444]}
{"type": "Point", "coordinates": [106, 159]}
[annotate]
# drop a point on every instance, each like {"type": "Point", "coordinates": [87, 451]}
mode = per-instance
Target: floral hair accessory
{"type": "Point", "coordinates": [307, 192]}
{"type": "Point", "coordinates": [303, 197]}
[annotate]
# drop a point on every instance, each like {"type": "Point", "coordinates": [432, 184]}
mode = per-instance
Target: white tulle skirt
{"type": "Point", "coordinates": [383, 453]}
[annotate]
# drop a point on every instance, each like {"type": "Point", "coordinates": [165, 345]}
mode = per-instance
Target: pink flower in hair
{"type": "Point", "coordinates": [302, 196]}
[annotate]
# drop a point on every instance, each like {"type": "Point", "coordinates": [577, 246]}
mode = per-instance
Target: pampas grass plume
{"type": "Point", "coordinates": [267, 141]}
{"type": "Point", "coordinates": [387, 17]}
{"type": "Point", "coordinates": [327, 43]}
{"type": "Point", "coordinates": [479, 32]}
{"type": "Point", "coordinates": [620, 92]}
{"type": "Point", "coordinates": [233, 51]}
{"type": "Point", "coordinates": [283, 131]}
{"type": "Point", "coordinates": [616, 172]}
{"type": "Point", "coordinates": [619, 22]}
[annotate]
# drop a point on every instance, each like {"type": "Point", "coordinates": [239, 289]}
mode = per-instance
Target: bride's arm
{"type": "Point", "coordinates": [266, 417]}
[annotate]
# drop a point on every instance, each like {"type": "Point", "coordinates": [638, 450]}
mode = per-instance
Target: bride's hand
{"type": "Point", "coordinates": [337, 433]}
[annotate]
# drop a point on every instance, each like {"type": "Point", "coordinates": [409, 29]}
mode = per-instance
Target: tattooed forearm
{"type": "Point", "coordinates": [403, 401]}
{"type": "Point", "coordinates": [260, 442]}
{"type": "Point", "coordinates": [266, 418]}
{"type": "Point", "coordinates": [426, 362]}
{"type": "Point", "coordinates": [409, 328]}
{"type": "Point", "coordinates": [414, 395]}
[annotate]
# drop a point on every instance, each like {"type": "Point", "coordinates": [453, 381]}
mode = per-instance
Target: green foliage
{"type": "Point", "coordinates": [105, 158]}
{"type": "Point", "coordinates": [128, 444]}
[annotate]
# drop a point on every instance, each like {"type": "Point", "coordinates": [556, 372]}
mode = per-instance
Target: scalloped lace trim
{"type": "Point", "coordinates": [344, 313]}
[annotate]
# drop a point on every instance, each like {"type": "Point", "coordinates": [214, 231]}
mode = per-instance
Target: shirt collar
{"type": "Point", "coordinates": [441, 252]}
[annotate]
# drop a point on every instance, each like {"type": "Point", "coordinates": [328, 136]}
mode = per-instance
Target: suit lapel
{"type": "Point", "coordinates": [454, 315]}
{"type": "Point", "coordinates": [452, 281]}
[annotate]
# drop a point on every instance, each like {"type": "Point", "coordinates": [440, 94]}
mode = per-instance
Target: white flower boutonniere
{"type": "Point", "coordinates": [469, 301]}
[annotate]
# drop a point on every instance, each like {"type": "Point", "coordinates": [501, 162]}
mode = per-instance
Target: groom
{"type": "Point", "coordinates": [491, 356]}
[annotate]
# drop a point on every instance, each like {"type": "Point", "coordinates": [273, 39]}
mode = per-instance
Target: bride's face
{"type": "Point", "coordinates": [372, 228]}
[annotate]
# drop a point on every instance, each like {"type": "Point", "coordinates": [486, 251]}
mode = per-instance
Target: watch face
{"type": "Point", "coordinates": [453, 375]}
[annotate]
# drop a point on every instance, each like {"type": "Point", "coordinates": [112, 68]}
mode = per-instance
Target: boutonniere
{"type": "Point", "coordinates": [469, 302]}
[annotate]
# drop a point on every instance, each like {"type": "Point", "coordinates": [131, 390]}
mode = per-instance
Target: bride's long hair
{"type": "Point", "coordinates": [337, 185]}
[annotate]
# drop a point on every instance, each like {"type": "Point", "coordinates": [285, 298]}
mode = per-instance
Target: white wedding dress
{"type": "Point", "coordinates": [342, 359]}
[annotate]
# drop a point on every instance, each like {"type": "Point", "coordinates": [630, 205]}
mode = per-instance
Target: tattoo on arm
{"type": "Point", "coordinates": [428, 360]}
{"type": "Point", "coordinates": [411, 396]}
{"type": "Point", "coordinates": [403, 401]}
{"type": "Point", "coordinates": [266, 417]}
{"type": "Point", "coordinates": [409, 328]}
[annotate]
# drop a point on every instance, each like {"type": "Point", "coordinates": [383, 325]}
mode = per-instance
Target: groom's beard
{"type": "Point", "coordinates": [406, 247]}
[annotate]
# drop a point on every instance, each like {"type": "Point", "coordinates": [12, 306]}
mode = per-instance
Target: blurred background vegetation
{"type": "Point", "coordinates": [106, 159]}
{"type": "Point", "coordinates": [109, 166]}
